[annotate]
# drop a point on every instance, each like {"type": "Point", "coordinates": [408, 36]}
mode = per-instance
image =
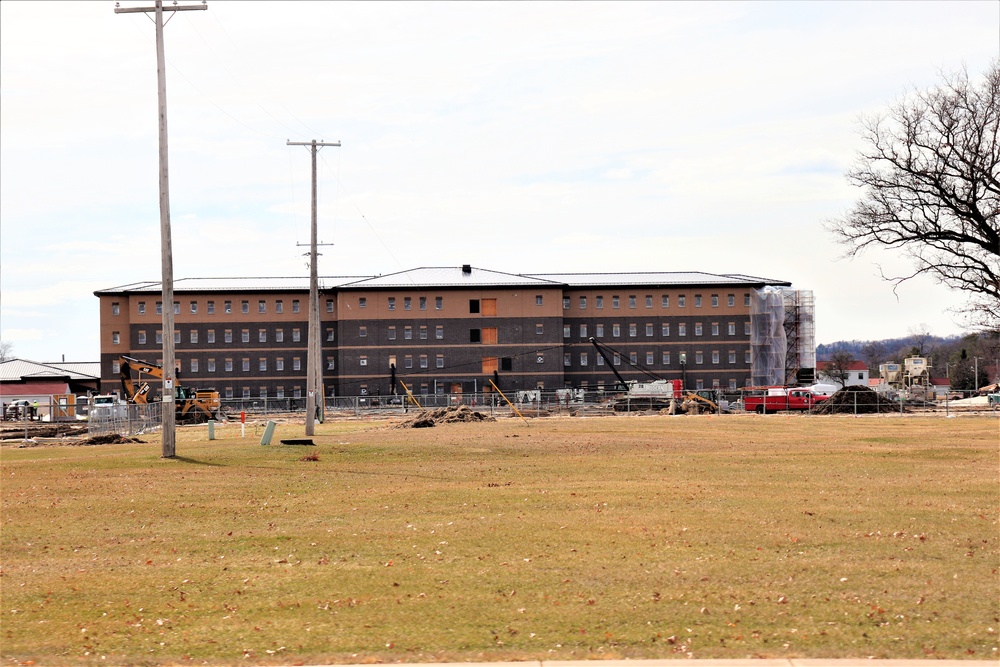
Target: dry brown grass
{"type": "Point", "coordinates": [566, 539]}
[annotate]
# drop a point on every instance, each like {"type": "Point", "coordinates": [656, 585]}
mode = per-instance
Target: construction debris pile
{"type": "Point", "coordinates": [855, 400]}
{"type": "Point", "coordinates": [109, 439]}
{"type": "Point", "coordinates": [449, 415]}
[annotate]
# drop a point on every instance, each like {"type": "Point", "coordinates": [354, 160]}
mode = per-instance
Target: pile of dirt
{"type": "Point", "coordinates": [109, 439]}
{"type": "Point", "coordinates": [450, 415]}
{"type": "Point", "coordinates": [855, 400]}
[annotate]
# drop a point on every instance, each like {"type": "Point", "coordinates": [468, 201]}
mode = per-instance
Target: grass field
{"type": "Point", "coordinates": [629, 537]}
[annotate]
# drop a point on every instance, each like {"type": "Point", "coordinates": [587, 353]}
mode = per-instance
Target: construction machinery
{"type": "Point", "coordinates": [191, 405]}
{"type": "Point", "coordinates": [658, 393]}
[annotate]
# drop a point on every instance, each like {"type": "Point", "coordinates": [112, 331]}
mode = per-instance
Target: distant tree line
{"type": "Point", "coordinates": [956, 357]}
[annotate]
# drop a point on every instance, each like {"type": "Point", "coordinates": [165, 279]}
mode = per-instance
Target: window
{"type": "Point", "coordinates": [682, 329]}
{"type": "Point", "coordinates": [211, 365]}
{"type": "Point", "coordinates": [279, 306]}
{"type": "Point", "coordinates": [408, 332]}
{"type": "Point", "coordinates": [566, 303]}
{"type": "Point", "coordinates": [699, 357]}
{"type": "Point", "coordinates": [407, 303]}
{"type": "Point", "coordinates": [210, 307]}
{"type": "Point", "coordinates": [699, 384]}
{"type": "Point", "coordinates": [633, 330]}
{"type": "Point", "coordinates": [730, 300]}
{"type": "Point", "coordinates": [439, 361]}
{"type": "Point", "coordinates": [194, 336]}
{"type": "Point", "coordinates": [599, 330]}
{"type": "Point", "coordinates": [423, 303]}
{"type": "Point", "coordinates": [296, 364]}
{"type": "Point", "coordinates": [246, 392]}
{"type": "Point", "coordinates": [539, 329]}
{"type": "Point", "coordinates": [732, 356]}
{"type": "Point", "coordinates": [732, 384]}
{"type": "Point", "coordinates": [746, 356]}
{"type": "Point", "coordinates": [210, 335]}
{"type": "Point", "coordinates": [295, 305]}
{"type": "Point", "coordinates": [715, 301]}
{"type": "Point", "coordinates": [665, 329]}
{"type": "Point", "coordinates": [159, 337]}
{"type": "Point", "coordinates": [245, 335]}
{"type": "Point", "coordinates": [142, 307]}
{"type": "Point", "coordinates": [177, 307]}
{"type": "Point", "coordinates": [279, 335]}
{"type": "Point", "coordinates": [408, 361]}
{"type": "Point", "coordinates": [362, 302]}
{"type": "Point", "coordinates": [567, 359]}
{"type": "Point", "coordinates": [715, 328]}
{"type": "Point", "coordinates": [363, 360]}
{"type": "Point", "coordinates": [697, 301]}
{"type": "Point", "coordinates": [715, 356]}
{"type": "Point", "coordinates": [649, 301]}
{"type": "Point", "coordinates": [614, 301]}
{"type": "Point", "coordinates": [263, 392]}
{"type": "Point", "coordinates": [391, 332]}
{"type": "Point", "coordinates": [665, 358]}
{"type": "Point", "coordinates": [633, 358]}
{"type": "Point", "coordinates": [228, 336]}
{"type": "Point", "coordinates": [697, 328]}
{"type": "Point", "coordinates": [599, 360]}
{"type": "Point", "coordinates": [177, 337]}
{"type": "Point", "coordinates": [296, 335]}
{"type": "Point", "coordinates": [599, 302]}
{"type": "Point", "coordinates": [681, 301]}
{"type": "Point", "coordinates": [664, 301]}
{"type": "Point", "coordinates": [159, 307]}
{"type": "Point", "coordinates": [194, 365]}
{"type": "Point", "coordinates": [583, 331]}
{"type": "Point", "coordinates": [475, 335]}
{"type": "Point", "coordinates": [746, 299]}
{"type": "Point", "coordinates": [279, 364]}
{"type": "Point", "coordinates": [331, 333]}
{"type": "Point", "coordinates": [649, 329]}
{"type": "Point", "coordinates": [423, 332]}
{"type": "Point", "coordinates": [583, 358]}
{"type": "Point", "coordinates": [229, 365]}
{"type": "Point", "coordinates": [329, 305]}
{"type": "Point", "coordinates": [746, 328]}
{"type": "Point", "coordinates": [142, 337]}
{"type": "Point", "coordinates": [439, 332]}
{"type": "Point", "coordinates": [616, 330]}
{"type": "Point", "coordinates": [473, 306]}
{"type": "Point", "coordinates": [438, 303]}
{"type": "Point", "coordinates": [244, 306]}
{"type": "Point", "coordinates": [538, 299]}
{"type": "Point", "coordinates": [423, 361]}
{"type": "Point", "coordinates": [115, 309]}
{"type": "Point", "coordinates": [583, 303]}
{"type": "Point", "coordinates": [262, 335]}
{"type": "Point", "coordinates": [296, 392]}
{"type": "Point", "coordinates": [506, 363]}
{"type": "Point", "coordinates": [731, 330]}
{"type": "Point", "coordinates": [116, 338]}
{"type": "Point", "coordinates": [539, 358]}
{"type": "Point", "coordinates": [246, 365]}
{"type": "Point", "coordinates": [362, 331]}
{"type": "Point", "coordinates": [631, 300]}
{"type": "Point", "coordinates": [649, 359]}
{"type": "Point", "coordinates": [227, 306]}
{"type": "Point", "coordinates": [392, 303]}
{"type": "Point", "coordinates": [567, 331]}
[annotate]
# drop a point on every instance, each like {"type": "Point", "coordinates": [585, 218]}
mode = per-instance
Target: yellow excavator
{"type": "Point", "coordinates": [192, 405]}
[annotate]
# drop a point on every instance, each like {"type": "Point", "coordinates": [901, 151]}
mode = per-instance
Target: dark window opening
{"type": "Point", "coordinates": [473, 305]}
{"type": "Point", "coordinates": [506, 363]}
{"type": "Point", "coordinates": [474, 335]}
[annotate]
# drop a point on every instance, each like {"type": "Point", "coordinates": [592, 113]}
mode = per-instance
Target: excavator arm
{"type": "Point", "coordinates": [133, 393]}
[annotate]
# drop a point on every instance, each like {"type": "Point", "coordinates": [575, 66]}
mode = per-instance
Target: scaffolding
{"type": "Point", "coordinates": [782, 337]}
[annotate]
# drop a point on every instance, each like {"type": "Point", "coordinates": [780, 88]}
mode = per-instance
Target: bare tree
{"type": "Point", "coordinates": [873, 353]}
{"type": "Point", "coordinates": [838, 368]}
{"type": "Point", "coordinates": [6, 350]}
{"type": "Point", "coordinates": [931, 173]}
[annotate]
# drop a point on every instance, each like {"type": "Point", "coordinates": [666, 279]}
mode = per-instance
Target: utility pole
{"type": "Point", "coordinates": [169, 447]}
{"type": "Point", "coordinates": [314, 384]}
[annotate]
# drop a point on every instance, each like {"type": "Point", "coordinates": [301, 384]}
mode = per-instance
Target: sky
{"type": "Point", "coordinates": [536, 137]}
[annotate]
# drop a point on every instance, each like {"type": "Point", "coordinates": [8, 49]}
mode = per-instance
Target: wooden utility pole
{"type": "Point", "coordinates": [169, 448]}
{"type": "Point", "coordinates": [314, 384]}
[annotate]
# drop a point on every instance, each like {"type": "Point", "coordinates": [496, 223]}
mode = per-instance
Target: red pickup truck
{"type": "Point", "coordinates": [781, 398]}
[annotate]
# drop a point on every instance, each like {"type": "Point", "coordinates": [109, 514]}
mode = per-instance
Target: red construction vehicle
{"type": "Point", "coordinates": [775, 399]}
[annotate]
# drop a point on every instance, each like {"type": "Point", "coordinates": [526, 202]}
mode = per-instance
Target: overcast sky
{"type": "Point", "coordinates": [521, 137]}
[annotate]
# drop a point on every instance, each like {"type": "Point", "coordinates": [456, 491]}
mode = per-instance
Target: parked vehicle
{"type": "Point", "coordinates": [774, 399]}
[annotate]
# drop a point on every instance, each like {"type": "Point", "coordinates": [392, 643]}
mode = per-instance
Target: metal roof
{"type": "Point", "coordinates": [661, 278]}
{"type": "Point", "coordinates": [450, 276]}
{"type": "Point", "coordinates": [17, 370]}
